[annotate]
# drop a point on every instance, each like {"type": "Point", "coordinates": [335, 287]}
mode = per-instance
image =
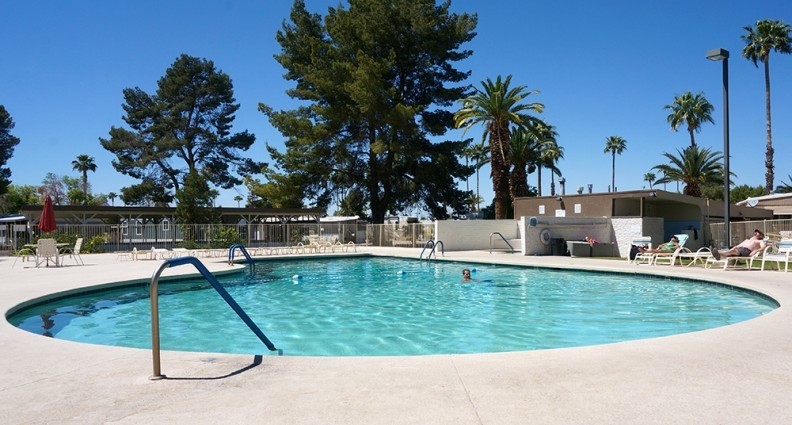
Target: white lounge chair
{"type": "Point", "coordinates": [671, 257]}
{"type": "Point", "coordinates": [735, 261]}
{"type": "Point", "coordinates": [779, 254]}
{"type": "Point", "coordinates": [643, 241]}
{"type": "Point", "coordinates": [701, 255]}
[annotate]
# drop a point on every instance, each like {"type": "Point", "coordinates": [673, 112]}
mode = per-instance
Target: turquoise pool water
{"type": "Point", "coordinates": [387, 306]}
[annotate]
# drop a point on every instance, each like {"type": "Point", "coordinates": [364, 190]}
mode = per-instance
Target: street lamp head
{"type": "Point", "coordinates": [717, 54]}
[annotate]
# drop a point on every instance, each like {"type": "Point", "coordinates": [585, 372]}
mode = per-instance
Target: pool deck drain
{"type": "Point", "coordinates": [740, 374]}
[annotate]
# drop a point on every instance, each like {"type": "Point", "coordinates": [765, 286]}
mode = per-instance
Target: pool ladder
{"type": "Point", "coordinates": [155, 339]}
{"type": "Point", "coordinates": [232, 250]}
{"type": "Point", "coordinates": [433, 245]}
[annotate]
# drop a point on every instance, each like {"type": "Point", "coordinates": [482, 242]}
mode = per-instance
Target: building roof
{"type": "Point", "coordinates": [82, 214]}
{"type": "Point", "coordinates": [607, 204]}
{"type": "Point", "coordinates": [12, 218]}
{"type": "Point", "coordinates": [778, 203]}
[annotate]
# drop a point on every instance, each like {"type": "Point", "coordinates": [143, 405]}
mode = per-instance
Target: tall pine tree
{"type": "Point", "coordinates": [374, 81]}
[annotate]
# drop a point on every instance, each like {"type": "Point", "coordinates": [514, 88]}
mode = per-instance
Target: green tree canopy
{"type": "Point", "coordinates": [84, 164]}
{"type": "Point", "coordinates": [743, 192]}
{"type": "Point", "coordinates": [614, 145]}
{"type": "Point", "coordinates": [373, 80]}
{"type": "Point", "coordinates": [694, 166]}
{"type": "Point", "coordinates": [785, 187]}
{"type": "Point", "coordinates": [650, 178]}
{"type": "Point", "coordinates": [182, 130]}
{"type": "Point", "coordinates": [18, 196]}
{"type": "Point", "coordinates": [146, 193]}
{"type": "Point", "coordinates": [691, 109]}
{"type": "Point", "coordinates": [7, 144]}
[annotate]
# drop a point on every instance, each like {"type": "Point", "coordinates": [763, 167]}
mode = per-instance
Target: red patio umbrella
{"type": "Point", "coordinates": [47, 222]}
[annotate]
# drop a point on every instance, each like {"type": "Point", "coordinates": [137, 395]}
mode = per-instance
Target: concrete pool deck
{"type": "Point", "coordinates": [738, 374]}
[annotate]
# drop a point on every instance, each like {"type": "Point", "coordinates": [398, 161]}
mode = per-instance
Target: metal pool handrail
{"type": "Point", "coordinates": [232, 249]}
{"type": "Point", "coordinates": [155, 339]}
{"type": "Point", "coordinates": [504, 240]}
{"type": "Point", "coordinates": [434, 246]}
{"type": "Point", "coordinates": [429, 243]}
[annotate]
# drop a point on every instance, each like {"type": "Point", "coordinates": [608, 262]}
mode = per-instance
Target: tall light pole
{"type": "Point", "coordinates": [723, 55]}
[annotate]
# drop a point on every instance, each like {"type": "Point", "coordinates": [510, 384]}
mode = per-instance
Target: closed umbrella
{"type": "Point", "coordinates": [47, 222]}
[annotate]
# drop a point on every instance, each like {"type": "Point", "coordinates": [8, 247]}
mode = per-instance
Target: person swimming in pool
{"type": "Point", "coordinates": [466, 275]}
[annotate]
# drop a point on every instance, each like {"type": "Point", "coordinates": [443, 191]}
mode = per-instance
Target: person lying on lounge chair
{"type": "Point", "coordinates": [667, 247]}
{"type": "Point", "coordinates": [747, 248]}
{"type": "Point", "coordinates": [590, 240]}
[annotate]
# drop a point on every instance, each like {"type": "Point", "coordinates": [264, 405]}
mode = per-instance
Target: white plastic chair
{"type": "Point", "coordinates": [74, 251]}
{"type": "Point", "coordinates": [46, 249]}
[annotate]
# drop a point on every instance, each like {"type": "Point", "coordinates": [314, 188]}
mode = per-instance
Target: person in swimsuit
{"type": "Point", "coordinates": [747, 248]}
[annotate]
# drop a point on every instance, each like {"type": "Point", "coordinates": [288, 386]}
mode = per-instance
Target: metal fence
{"type": "Point", "coordinates": [111, 238]}
{"type": "Point", "coordinates": [741, 230]}
{"type": "Point", "coordinates": [413, 235]}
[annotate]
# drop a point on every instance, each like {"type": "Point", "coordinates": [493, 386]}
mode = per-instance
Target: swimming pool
{"type": "Point", "coordinates": [387, 306]}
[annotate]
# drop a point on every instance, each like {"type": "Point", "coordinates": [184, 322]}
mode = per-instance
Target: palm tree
{"type": "Point", "coordinates": [694, 167]}
{"type": "Point", "coordinates": [614, 145]}
{"type": "Point", "coordinates": [785, 187]}
{"type": "Point", "coordinates": [551, 153]}
{"type": "Point", "coordinates": [769, 35]}
{"type": "Point", "coordinates": [544, 136]}
{"type": "Point", "coordinates": [650, 178]}
{"type": "Point", "coordinates": [523, 150]}
{"type": "Point", "coordinates": [692, 109]}
{"type": "Point", "coordinates": [84, 164]}
{"type": "Point", "coordinates": [112, 196]}
{"type": "Point", "coordinates": [498, 107]}
{"type": "Point", "coordinates": [479, 153]}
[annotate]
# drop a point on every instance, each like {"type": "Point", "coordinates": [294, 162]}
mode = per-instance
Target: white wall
{"type": "Point", "coordinates": [626, 229]}
{"type": "Point", "coordinates": [465, 235]}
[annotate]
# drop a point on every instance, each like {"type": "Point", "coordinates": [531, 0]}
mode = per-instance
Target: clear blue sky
{"type": "Point", "coordinates": [604, 68]}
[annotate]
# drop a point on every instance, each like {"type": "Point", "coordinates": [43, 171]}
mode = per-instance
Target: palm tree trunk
{"type": "Point", "coordinates": [519, 182]}
{"type": "Point", "coordinates": [769, 177]}
{"type": "Point", "coordinates": [613, 171]}
{"type": "Point", "coordinates": [85, 187]}
{"type": "Point", "coordinates": [500, 169]}
{"type": "Point", "coordinates": [478, 194]}
{"type": "Point", "coordinates": [692, 137]}
{"type": "Point", "coordinates": [539, 179]}
{"type": "Point", "coordinates": [467, 180]}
